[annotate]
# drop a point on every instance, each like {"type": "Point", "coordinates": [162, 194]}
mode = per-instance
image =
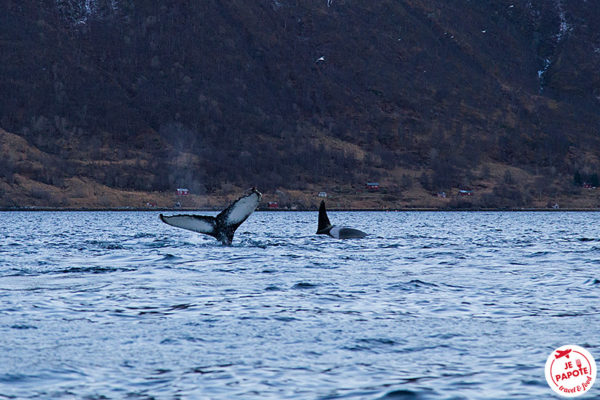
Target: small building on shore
{"type": "Point", "coordinates": [372, 186]}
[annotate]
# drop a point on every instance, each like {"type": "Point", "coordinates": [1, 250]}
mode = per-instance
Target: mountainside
{"type": "Point", "coordinates": [112, 103]}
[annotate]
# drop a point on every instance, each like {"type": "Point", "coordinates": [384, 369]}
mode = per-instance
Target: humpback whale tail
{"type": "Point", "coordinates": [223, 226]}
{"type": "Point", "coordinates": [324, 224]}
{"type": "Point", "coordinates": [325, 227]}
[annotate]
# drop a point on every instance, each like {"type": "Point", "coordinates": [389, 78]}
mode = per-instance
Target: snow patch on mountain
{"type": "Point", "coordinates": [563, 27]}
{"type": "Point", "coordinates": [78, 12]}
{"type": "Point", "coordinates": [563, 30]}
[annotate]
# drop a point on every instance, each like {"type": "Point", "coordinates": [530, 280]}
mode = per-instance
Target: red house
{"type": "Point", "coordinates": [372, 186]}
{"type": "Point", "coordinates": [182, 192]}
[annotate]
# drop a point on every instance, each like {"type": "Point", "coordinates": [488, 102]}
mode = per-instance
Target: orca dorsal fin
{"type": "Point", "coordinates": [324, 224]}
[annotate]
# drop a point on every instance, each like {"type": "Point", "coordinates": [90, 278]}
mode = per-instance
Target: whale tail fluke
{"type": "Point", "coordinates": [223, 226]}
{"type": "Point", "coordinates": [324, 224]}
{"type": "Point", "coordinates": [197, 223]}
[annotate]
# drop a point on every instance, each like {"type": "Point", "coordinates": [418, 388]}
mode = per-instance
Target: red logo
{"type": "Point", "coordinates": [570, 371]}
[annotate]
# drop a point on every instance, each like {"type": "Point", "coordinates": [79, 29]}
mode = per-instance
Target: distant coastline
{"type": "Point", "coordinates": [265, 209]}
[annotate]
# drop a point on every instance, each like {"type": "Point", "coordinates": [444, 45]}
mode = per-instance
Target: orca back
{"type": "Point", "coordinates": [350, 233]}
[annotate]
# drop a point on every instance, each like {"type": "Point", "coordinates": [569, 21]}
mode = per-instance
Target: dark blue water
{"type": "Point", "coordinates": [430, 306]}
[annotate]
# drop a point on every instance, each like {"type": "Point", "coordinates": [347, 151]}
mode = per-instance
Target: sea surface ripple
{"type": "Point", "coordinates": [431, 305]}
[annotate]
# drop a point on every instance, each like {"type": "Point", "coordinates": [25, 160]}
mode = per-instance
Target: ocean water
{"type": "Point", "coordinates": [104, 305]}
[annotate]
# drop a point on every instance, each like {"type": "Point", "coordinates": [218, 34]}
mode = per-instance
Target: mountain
{"type": "Point", "coordinates": [116, 103]}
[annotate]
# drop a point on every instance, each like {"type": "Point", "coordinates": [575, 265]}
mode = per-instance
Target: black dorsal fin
{"type": "Point", "coordinates": [324, 224]}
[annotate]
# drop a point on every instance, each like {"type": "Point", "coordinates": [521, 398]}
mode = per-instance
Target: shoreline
{"type": "Point", "coordinates": [265, 209]}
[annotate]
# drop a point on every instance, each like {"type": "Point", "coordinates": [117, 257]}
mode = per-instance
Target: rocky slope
{"type": "Point", "coordinates": [116, 103]}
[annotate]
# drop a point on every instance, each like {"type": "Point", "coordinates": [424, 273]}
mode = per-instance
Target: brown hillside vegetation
{"type": "Point", "coordinates": [117, 106]}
